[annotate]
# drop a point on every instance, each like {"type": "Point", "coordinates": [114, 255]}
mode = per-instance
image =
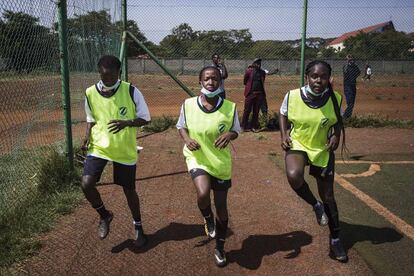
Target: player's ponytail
{"type": "Point", "coordinates": [340, 123]}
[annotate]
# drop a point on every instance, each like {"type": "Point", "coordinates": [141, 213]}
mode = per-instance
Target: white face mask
{"type": "Point", "coordinates": [309, 90]}
{"type": "Point", "coordinates": [211, 94]}
{"type": "Point", "coordinates": [109, 88]}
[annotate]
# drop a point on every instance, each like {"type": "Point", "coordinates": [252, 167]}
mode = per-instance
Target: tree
{"type": "Point", "coordinates": [25, 45]}
{"type": "Point", "coordinates": [90, 36]}
{"type": "Point", "coordinates": [271, 49]}
{"type": "Point", "coordinates": [133, 49]}
{"type": "Point", "coordinates": [179, 41]}
{"type": "Point", "coordinates": [389, 45]}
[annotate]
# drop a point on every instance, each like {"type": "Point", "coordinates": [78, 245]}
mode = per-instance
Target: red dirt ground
{"type": "Point", "coordinates": [272, 232]}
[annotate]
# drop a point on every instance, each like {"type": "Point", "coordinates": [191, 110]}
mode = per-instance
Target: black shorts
{"type": "Point", "coordinates": [215, 183]}
{"type": "Point", "coordinates": [124, 175]}
{"type": "Point", "coordinates": [316, 171]}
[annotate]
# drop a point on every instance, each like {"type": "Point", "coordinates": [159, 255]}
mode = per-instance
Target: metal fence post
{"type": "Point", "coordinates": [302, 51]}
{"type": "Point", "coordinates": [124, 44]}
{"type": "Point", "coordinates": [64, 75]}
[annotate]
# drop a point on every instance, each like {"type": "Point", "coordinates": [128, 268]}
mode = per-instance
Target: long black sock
{"type": "Point", "coordinates": [206, 212]}
{"type": "Point", "coordinates": [306, 194]}
{"type": "Point", "coordinates": [138, 224]}
{"type": "Point", "coordinates": [331, 211]}
{"type": "Point", "coordinates": [221, 229]}
{"type": "Point", "coordinates": [103, 213]}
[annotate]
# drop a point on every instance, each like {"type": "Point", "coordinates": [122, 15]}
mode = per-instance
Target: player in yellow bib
{"type": "Point", "coordinates": [207, 124]}
{"type": "Point", "coordinates": [316, 126]}
{"type": "Point", "coordinates": [114, 109]}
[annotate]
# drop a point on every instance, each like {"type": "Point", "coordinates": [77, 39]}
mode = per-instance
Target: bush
{"type": "Point", "coordinates": [375, 122]}
{"type": "Point", "coordinates": [160, 124]}
{"type": "Point", "coordinates": [55, 174]}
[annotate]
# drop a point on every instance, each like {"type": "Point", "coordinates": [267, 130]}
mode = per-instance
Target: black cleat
{"type": "Point", "coordinates": [103, 227]}
{"type": "Point", "coordinates": [210, 227]}
{"type": "Point", "coordinates": [320, 214]}
{"type": "Point", "coordinates": [337, 251]}
{"type": "Point", "coordinates": [140, 237]}
{"type": "Point", "coordinates": [220, 257]}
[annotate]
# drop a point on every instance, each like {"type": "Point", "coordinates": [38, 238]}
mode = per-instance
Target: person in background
{"type": "Point", "coordinates": [207, 124]}
{"type": "Point", "coordinates": [314, 113]}
{"type": "Point", "coordinates": [114, 110]}
{"type": "Point", "coordinates": [350, 73]}
{"type": "Point", "coordinates": [254, 93]}
{"type": "Point", "coordinates": [367, 73]}
{"type": "Point", "coordinates": [223, 72]}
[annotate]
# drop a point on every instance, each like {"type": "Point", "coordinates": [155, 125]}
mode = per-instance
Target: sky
{"type": "Point", "coordinates": [266, 19]}
{"type": "Point", "coordinates": [274, 20]}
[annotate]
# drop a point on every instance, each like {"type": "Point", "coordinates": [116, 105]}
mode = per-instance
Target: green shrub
{"type": "Point", "coordinates": [57, 194]}
{"type": "Point", "coordinates": [160, 124]}
{"type": "Point", "coordinates": [376, 122]}
{"type": "Point", "coordinates": [55, 174]}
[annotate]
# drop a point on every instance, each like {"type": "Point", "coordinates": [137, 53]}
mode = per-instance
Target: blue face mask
{"type": "Point", "coordinates": [211, 94]}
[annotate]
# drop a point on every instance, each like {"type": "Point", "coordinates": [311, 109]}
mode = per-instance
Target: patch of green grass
{"type": "Point", "coordinates": [51, 192]}
{"type": "Point", "coordinates": [376, 122]}
{"type": "Point", "coordinates": [160, 124]}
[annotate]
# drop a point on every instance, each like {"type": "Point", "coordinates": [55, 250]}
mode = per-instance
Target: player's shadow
{"type": "Point", "coordinates": [354, 233]}
{"type": "Point", "coordinates": [255, 247]}
{"type": "Point", "coordinates": [172, 232]}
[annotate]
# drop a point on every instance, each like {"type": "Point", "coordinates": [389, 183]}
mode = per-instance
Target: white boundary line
{"type": "Point", "coordinates": [404, 227]}
{"type": "Point", "coordinates": [372, 162]}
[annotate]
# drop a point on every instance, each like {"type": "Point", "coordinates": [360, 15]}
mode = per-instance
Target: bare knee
{"type": "Point", "coordinates": [203, 198]}
{"type": "Point", "coordinates": [88, 182]}
{"type": "Point", "coordinates": [295, 178]}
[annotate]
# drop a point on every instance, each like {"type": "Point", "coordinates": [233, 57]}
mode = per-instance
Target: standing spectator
{"type": "Point", "coordinates": [254, 93]}
{"type": "Point", "coordinates": [367, 73]}
{"type": "Point", "coordinates": [223, 71]}
{"type": "Point", "coordinates": [114, 110]}
{"type": "Point", "coordinates": [207, 124]}
{"type": "Point", "coordinates": [351, 73]}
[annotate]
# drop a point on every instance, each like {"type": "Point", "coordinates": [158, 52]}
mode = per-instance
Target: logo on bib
{"type": "Point", "coordinates": [221, 128]}
{"type": "Point", "coordinates": [324, 122]}
{"type": "Point", "coordinates": [123, 111]}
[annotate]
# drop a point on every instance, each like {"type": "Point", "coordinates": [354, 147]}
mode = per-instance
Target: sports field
{"type": "Point", "coordinates": [272, 231]}
{"type": "Point", "coordinates": [37, 104]}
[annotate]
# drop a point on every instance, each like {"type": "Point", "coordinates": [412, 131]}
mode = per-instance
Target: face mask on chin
{"type": "Point", "coordinates": [211, 94]}
{"type": "Point", "coordinates": [109, 88]}
{"type": "Point", "coordinates": [309, 90]}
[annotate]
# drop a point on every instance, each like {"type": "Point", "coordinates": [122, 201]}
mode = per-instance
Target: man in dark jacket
{"type": "Point", "coordinates": [351, 73]}
{"type": "Point", "coordinates": [254, 93]}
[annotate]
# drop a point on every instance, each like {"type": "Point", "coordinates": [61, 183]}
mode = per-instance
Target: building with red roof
{"type": "Point", "coordinates": [338, 43]}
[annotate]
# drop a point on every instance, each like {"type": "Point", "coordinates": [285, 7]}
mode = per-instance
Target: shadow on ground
{"type": "Point", "coordinates": [255, 247]}
{"type": "Point", "coordinates": [354, 233]}
{"type": "Point", "coordinates": [172, 232]}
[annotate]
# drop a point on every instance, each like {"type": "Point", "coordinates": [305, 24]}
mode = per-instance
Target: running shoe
{"type": "Point", "coordinates": [209, 227]}
{"type": "Point", "coordinates": [320, 214]}
{"type": "Point", "coordinates": [140, 237]}
{"type": "Point", "coordinates": [103, 227]}
{"type": "Point", "coordinates": [220, 257]}
{"type": "Point", "coordinates": [337, 251]}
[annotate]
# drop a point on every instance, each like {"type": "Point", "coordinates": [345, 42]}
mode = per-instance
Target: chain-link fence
{"type": "Point", "coordinates": [31, 120]}
{"type": "Point", "coordinates": [184, 35]}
